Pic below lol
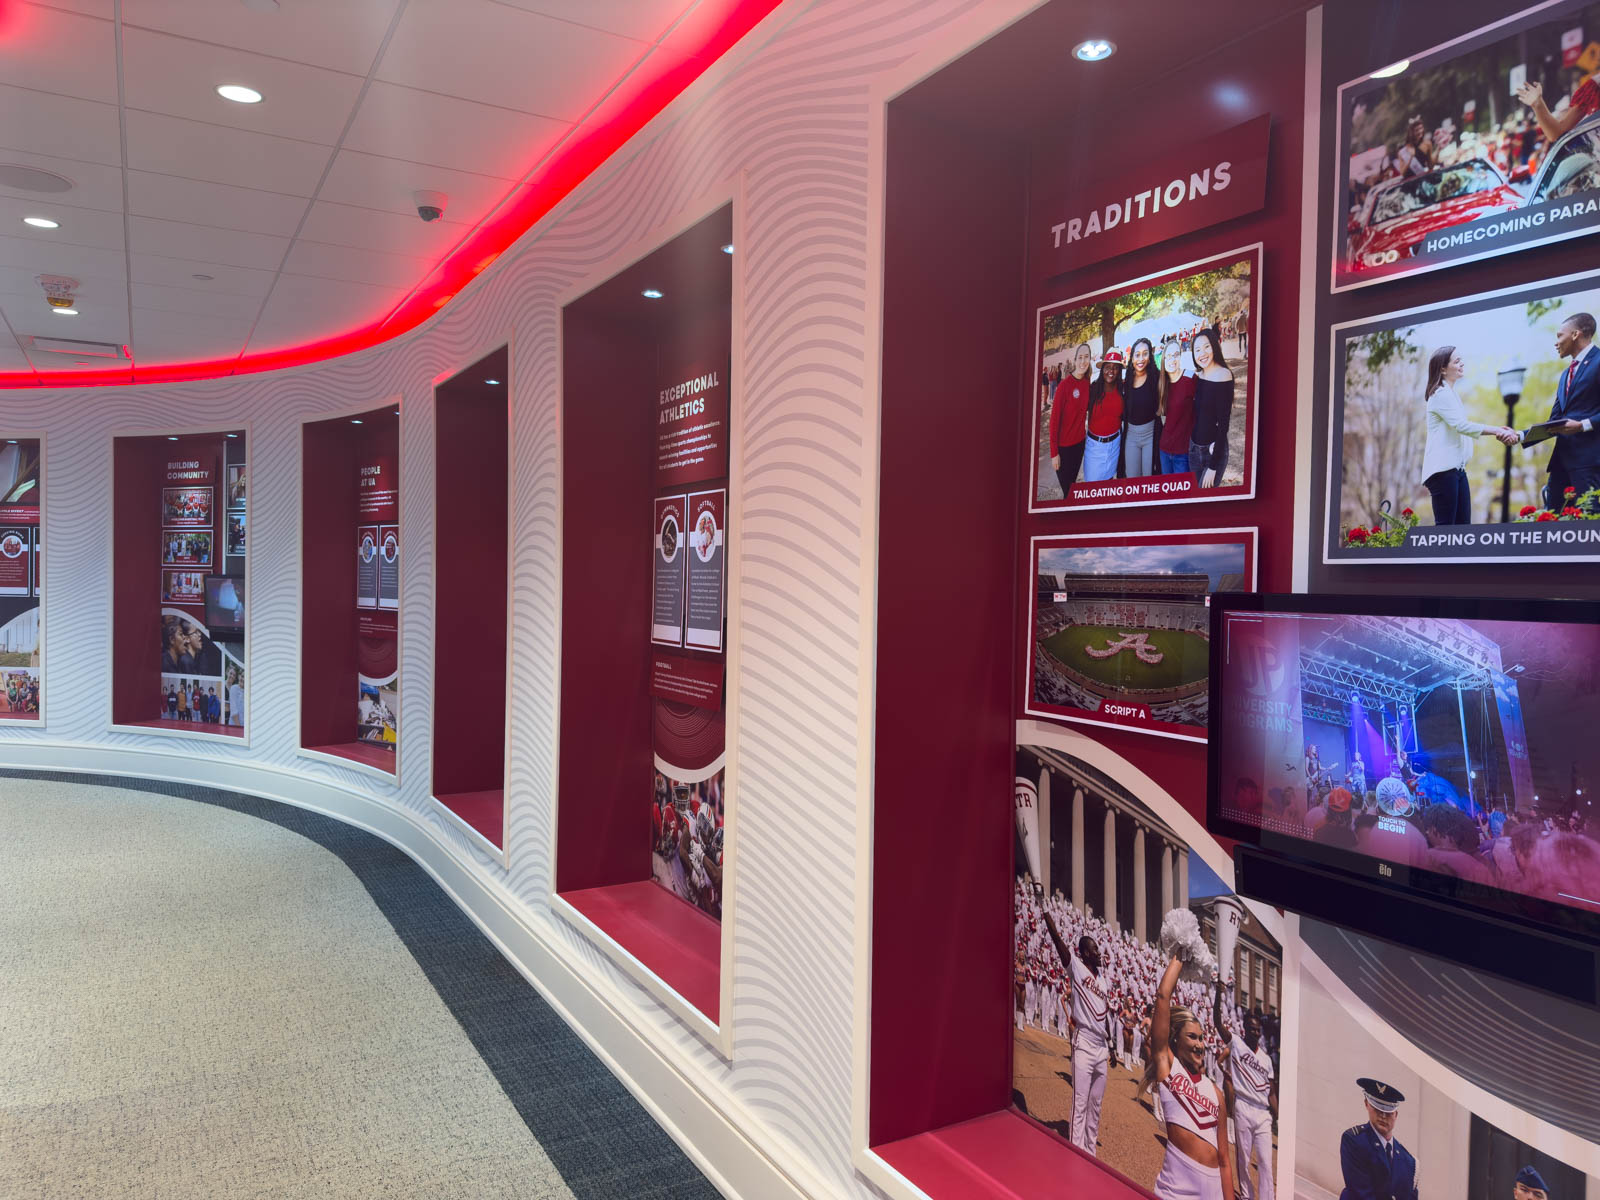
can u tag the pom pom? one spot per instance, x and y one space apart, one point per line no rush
1181 938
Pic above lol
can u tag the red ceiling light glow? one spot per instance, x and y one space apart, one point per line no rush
677 61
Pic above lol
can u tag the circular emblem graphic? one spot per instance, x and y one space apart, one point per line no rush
368 548
705 537
669 537
391 548
11 545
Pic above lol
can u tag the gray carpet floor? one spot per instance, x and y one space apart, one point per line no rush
198 1002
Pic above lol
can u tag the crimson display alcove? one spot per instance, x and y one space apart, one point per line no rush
180 509
983 157
350 587
472 473
645 446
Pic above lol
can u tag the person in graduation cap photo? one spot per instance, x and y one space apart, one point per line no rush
1375 1165
1530 1185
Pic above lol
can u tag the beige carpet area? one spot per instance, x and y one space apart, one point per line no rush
198 1003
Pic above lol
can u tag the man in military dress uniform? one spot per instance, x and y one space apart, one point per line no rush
1376 1167
1530 1185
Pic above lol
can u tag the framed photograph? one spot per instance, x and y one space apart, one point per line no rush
1146 392
1121 626
1424 404
236 485
1480 146
235 523
186 547
186 507
183 587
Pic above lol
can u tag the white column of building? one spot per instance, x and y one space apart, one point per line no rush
1166 879
1180 888
1110 912
1141 922
1044 830
1077 848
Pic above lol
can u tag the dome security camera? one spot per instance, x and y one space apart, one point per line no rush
430 205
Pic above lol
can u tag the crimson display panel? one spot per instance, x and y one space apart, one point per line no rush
1435 749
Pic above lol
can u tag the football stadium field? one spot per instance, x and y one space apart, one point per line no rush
1185 656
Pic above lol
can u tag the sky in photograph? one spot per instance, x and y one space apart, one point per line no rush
1214 560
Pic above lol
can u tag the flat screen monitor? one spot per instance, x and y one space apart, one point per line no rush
224 605
1445 749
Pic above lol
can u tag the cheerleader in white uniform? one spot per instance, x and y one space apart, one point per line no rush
1196 1165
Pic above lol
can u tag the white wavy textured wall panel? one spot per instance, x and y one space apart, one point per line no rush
793 118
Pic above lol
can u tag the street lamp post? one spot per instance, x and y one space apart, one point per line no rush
1510 391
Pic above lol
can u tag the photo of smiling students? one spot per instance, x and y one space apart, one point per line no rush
1143 393
1213 409
1068 414
1103 449
1176 410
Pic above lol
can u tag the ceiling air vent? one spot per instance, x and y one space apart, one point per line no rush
77 347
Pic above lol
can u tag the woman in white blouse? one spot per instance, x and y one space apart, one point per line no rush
1450 434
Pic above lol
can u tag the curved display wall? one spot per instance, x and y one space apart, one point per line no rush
962 645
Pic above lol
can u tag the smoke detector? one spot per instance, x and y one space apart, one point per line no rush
58 289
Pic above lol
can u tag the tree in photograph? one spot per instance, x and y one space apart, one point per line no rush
1210 295
1384 426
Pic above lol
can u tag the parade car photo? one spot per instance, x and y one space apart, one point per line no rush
1400 213
1571 168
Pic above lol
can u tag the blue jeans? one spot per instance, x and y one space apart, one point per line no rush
1174 464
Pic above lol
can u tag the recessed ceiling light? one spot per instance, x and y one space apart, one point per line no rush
41 222
728 249
238 93
203 278
172 437
492 382
233 435
65 312
11 441
355 420
1094 50
651 293
1392 69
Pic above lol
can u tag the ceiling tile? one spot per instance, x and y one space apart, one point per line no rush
42 123
308 310
165 337
230 247
176 76
394 233
94 323
199 299
11 356
79 226
195 150
89 8
57 258
644 20
486 51
39 40
181 272
94 185
342 35
217 204
368 181
424 127
323 261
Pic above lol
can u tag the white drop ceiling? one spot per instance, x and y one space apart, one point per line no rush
299 208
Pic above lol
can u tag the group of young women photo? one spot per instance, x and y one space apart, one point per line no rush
1154 411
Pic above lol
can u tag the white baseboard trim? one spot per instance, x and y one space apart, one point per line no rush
721 1136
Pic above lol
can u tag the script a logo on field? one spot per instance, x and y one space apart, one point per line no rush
1139 643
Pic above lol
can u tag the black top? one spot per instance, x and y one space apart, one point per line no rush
1213 405
1141 399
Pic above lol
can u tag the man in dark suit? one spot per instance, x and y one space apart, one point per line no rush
1575 461
1375 1165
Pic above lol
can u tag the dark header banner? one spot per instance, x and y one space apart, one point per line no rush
1199 184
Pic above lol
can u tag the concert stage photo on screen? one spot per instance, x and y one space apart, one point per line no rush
1457 752
1120 626
1468 432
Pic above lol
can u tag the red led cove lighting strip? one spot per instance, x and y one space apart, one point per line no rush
694 44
